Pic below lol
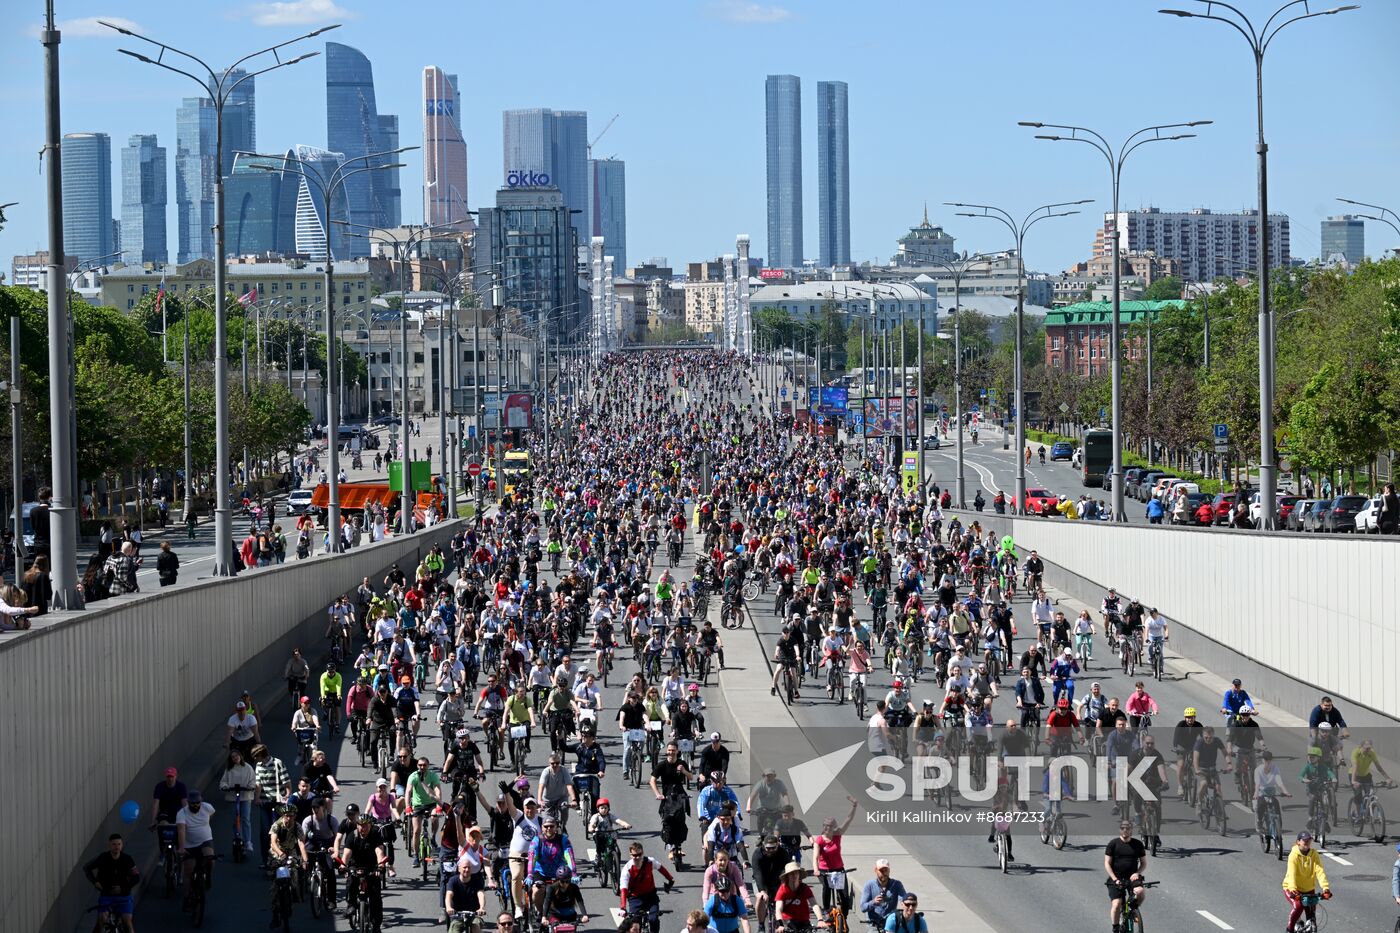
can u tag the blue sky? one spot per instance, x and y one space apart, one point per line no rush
936 88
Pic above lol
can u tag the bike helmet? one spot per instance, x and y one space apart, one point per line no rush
899 683
956 688
1189 712
405 680
717 775
365 819
1246 711
305 700
1314 750
693 688
330 666
288 810
722 883
928 704
562 872
603 802
1062 703
352 810
1321 727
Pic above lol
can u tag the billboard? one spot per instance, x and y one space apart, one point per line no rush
772 273
881 417
520 409
828 400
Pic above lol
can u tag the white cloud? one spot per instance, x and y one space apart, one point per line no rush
90 27
297 13
739 11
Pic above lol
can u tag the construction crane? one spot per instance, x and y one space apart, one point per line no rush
607 127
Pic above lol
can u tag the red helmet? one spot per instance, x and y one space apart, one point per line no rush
898 683
1063 703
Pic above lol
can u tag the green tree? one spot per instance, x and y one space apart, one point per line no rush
1163 289
773 327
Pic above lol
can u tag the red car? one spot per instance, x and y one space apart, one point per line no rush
1285 506
1039 502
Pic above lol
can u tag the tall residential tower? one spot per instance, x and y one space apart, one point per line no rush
833 174
87 196
607 203
784 124
143 201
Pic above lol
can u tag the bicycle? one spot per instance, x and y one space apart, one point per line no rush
858 694
1132 917
491 729
330 707
654 730
199 885
519 738
789 679
306 745
1211 806
1308 923
421 845
318 891
362 919
1053 830
108 919
169 856
632 755
1003 844
1368 813
282 894
1244 775
1127 655
836 683
1319 812
607 862
1157 655
1150 823
1271 825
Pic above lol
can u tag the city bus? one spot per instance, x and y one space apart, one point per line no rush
1097 458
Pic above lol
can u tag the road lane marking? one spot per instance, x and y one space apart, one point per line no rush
1241 807
617 916
1215 920
1338 859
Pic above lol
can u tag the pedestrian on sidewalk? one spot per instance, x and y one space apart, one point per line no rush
37 586
191 519
105 536
167 564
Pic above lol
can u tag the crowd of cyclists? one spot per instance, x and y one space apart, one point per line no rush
473 684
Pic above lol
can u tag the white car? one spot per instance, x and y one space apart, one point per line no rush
298 501
1366 518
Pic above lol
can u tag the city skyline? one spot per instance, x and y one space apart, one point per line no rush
679 167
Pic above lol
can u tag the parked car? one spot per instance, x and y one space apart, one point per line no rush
1194 499
1342 515
1366 519
298 501
1222 504
1130 478
1039 502
1294 521
1061 450
1313 520
1143 490
1284 505
1161 485
931 442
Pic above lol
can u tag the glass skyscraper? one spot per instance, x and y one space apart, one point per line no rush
784 119
1345 236
555 143
260 210
833 173
391 195
607 201
528 237
195 136
143 201
310 213
444 150
240 117
87 196
355 128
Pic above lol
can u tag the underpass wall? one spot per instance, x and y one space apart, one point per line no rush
1281 610
93 703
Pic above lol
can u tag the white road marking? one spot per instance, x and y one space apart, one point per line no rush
617 916
1215 920
592 854
1338 859
1241 807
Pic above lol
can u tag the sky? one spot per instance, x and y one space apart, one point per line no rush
936 90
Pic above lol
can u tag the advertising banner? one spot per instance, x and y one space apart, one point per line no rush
882 417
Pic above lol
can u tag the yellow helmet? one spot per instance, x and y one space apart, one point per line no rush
1189 711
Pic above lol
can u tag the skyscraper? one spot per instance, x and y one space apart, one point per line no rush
784 119
392 196
354 129
260 210
553 143
833 173
87 196
1344 236
240 116
143 201
607 203
194 179
444 150
310 224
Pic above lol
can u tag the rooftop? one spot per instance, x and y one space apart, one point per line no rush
839 291
1101 312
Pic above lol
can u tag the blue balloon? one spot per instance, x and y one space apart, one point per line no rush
738 549
130 812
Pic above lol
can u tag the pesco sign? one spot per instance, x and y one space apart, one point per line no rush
519 179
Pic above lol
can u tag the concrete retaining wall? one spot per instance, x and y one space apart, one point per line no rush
94 704
1311 610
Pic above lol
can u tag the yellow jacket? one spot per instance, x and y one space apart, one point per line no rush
1305 873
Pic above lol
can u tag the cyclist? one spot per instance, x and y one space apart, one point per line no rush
1184 738
363 852
1236 699
114 874
408 707
320 830
1154 777
1062 672
1205 759
1141 706
1084 636
422 793
1124 860
194 837
1062 727
637 886
1363 759
550 852
1268 782
1303 876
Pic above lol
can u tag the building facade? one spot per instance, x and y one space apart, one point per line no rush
1207 245
784 147
1077 336
884 304
31 271
444 151
354 129
87 196
310 224
553 143
704 306
529 243
143 201
924 243
260 210
833 174
240 116
195 138
1343 236
999 277
607 203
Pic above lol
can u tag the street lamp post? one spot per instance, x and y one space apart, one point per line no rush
1382 215
332 389
1259 40
220 88
1018 233
1116 158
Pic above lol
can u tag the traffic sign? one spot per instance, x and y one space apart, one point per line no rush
1103 414
474 468
1222 432
783 391
1064 408
1222 445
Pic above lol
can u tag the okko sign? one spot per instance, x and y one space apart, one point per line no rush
518 179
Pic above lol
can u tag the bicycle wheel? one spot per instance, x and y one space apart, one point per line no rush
1001 852
1221 816
314 895
1377 821
1045 827
1134 922
1204 813
197 906
1059 832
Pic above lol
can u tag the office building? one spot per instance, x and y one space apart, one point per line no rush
924 243
833 174
607 203
354 129
240 116
87 196
885 304
31 271
1077 336
1208 245
143 201
784 140
1344 238
260 209
551 143
444 151
311 217
195 138
391 195
528 242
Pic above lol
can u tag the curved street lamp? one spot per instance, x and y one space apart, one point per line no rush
1259 40
1382 215
1018 233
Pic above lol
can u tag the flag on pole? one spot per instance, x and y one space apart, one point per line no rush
160 293
250 298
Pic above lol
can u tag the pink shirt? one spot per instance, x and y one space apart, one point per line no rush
1140 704
828 853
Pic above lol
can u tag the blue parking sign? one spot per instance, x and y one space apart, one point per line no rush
1222 431
783 391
